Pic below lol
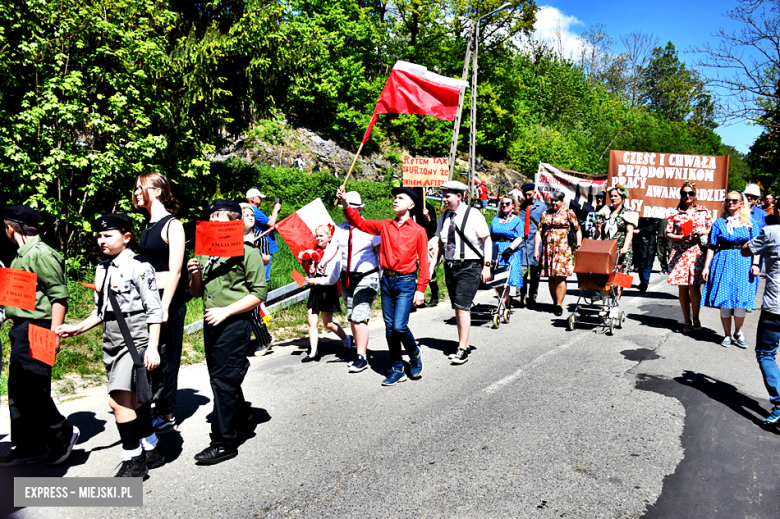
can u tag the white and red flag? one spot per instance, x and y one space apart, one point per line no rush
298 228
413 89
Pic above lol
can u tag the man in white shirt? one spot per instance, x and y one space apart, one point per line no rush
359 278
516 193
466 262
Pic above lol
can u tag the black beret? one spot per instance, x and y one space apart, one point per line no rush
223 205
408 191
528 186
601 195
22 214
111 221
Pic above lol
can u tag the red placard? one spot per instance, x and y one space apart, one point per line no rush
623 280
687 227
90 286
223 239
298 278
43 344
17 288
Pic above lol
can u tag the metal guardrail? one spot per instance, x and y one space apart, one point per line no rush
277 299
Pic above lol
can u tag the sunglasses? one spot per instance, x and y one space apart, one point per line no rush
685 194
751 197
733 200
506 203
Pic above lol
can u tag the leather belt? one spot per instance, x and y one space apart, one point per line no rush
394 273
735 245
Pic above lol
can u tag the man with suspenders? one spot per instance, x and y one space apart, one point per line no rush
465 242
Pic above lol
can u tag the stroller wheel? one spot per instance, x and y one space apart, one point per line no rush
570 322
505 317
612 326
620 320
495 321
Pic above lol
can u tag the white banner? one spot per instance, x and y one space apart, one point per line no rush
579 189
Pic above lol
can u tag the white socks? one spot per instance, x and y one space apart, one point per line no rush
150 442
126 455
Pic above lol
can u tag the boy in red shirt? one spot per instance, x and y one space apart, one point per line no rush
404 244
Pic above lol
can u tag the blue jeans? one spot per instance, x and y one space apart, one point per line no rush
644 276
397 297
767 336
268 270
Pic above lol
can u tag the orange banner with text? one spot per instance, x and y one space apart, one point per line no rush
654 180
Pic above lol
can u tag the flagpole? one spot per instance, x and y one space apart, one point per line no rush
344 185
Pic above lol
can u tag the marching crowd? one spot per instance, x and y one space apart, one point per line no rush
140 298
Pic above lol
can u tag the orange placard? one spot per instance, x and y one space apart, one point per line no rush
43 344
623 280
687 227
298 278
17 288
90 286
222 239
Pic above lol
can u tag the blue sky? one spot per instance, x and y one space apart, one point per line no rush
687 24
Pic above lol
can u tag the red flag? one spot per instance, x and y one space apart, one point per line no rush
412 89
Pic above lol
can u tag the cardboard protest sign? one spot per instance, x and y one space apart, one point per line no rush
222 239
17 288
298 278
623 280
425 172
654 180
43 344
579 189
90 286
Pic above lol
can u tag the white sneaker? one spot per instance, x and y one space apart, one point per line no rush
726 342
741 341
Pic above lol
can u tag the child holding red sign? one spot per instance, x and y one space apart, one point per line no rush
38 430
231 287
324 294
128 287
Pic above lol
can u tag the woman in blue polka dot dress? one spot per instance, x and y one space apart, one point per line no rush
732 280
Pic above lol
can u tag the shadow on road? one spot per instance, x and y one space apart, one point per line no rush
447 347
187 403
727 453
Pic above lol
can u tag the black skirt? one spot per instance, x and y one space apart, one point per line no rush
324 298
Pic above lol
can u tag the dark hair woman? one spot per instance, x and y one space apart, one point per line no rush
551 244
615 221
686 262
162 246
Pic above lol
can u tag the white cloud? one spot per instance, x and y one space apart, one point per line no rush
554 28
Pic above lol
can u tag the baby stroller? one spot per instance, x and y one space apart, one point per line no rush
595 264
500 280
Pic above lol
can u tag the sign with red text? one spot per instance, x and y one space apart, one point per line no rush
579 189
425 172
654 180
43 344
222 239
298 278
17 288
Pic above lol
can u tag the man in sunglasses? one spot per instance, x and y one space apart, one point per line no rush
753 194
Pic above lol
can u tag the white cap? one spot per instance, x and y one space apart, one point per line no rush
353 199
454 185
253 193
753 189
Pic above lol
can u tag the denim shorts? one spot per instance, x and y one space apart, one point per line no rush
462 282
359 299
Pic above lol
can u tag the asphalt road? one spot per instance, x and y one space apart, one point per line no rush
541 422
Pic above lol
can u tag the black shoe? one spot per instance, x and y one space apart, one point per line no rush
433 302
154 459
134 467
308 358
643 287
558 310
214 454
531 302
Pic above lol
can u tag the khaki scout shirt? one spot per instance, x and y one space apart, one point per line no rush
134 284
49 265
227 280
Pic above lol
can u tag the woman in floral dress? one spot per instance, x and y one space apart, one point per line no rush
686 261
615 222
552 246
732 279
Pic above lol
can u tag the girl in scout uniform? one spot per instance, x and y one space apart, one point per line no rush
135 289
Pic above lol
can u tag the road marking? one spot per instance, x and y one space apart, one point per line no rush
492 388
